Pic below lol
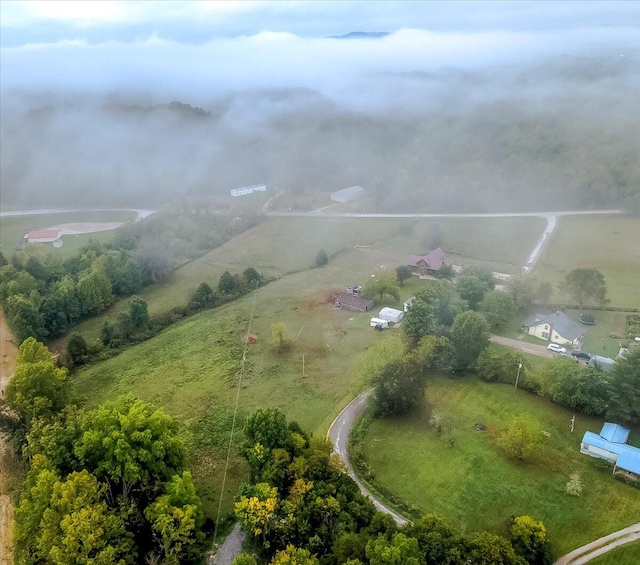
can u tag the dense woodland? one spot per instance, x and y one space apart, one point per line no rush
562 135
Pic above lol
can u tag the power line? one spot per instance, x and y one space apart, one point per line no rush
235 413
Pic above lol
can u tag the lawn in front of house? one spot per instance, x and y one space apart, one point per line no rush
473 485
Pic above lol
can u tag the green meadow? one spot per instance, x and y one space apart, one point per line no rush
607 244
464 477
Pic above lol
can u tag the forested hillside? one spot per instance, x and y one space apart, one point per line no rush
552 136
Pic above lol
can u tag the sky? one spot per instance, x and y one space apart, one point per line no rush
178 49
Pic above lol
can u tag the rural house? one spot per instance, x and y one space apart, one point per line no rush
248 189
348 194
611 445
556 328
352 301
44 236
430 263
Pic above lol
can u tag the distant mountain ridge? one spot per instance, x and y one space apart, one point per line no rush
361 35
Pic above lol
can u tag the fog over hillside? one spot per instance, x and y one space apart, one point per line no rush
432 121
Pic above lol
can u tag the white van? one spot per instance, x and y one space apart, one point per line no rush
375 322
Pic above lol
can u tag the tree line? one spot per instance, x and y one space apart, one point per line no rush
105 486
301 507
44 296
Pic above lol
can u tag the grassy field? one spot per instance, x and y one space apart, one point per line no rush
607 244
474 486
13 228
357 247
625 555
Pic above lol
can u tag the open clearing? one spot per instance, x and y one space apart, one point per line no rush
357 247
13 228
607 244
474 486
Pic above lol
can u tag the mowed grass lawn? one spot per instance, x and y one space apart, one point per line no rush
13 228
357 248
625 555
474 486
607 244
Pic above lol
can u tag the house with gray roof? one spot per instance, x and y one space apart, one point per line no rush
555 328
611 445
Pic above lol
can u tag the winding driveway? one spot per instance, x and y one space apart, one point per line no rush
339 434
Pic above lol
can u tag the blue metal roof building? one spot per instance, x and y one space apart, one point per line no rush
611 446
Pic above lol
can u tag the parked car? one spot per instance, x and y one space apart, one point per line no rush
556 348
581 355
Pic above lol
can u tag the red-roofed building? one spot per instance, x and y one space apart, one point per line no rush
44 236
430 263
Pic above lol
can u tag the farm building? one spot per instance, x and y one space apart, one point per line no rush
248 189
44 236
350 301
348 194
379 322
603 363
407 303
556 328
430 263
611 445
391 315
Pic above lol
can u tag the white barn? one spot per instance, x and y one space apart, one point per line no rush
347 194
391 315
248 189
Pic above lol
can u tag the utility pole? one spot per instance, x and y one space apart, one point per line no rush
573 422
303 365
518 375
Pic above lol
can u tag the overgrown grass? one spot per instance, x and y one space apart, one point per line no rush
474 486
626 555
607 244
13 228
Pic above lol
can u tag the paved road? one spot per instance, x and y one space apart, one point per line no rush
600 546
140 213
532 348
546 215
339 435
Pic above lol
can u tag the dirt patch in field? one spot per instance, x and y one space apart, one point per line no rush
77 228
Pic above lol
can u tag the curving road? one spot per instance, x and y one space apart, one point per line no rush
339 435
600 546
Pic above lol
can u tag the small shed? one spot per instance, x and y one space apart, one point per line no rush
44 236
349 301
248 189
348 194
391 315
407 303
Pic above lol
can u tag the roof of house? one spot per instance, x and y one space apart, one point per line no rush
354 300
44 234
614 433
434 260
559 321
350 193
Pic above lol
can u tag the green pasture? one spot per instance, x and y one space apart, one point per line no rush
625 555
474 486
607 244
13 228
357 247
192 370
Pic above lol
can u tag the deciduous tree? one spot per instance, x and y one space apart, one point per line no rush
381 286
498 308
321 258
521 437
226 284
625 388
403 273
138 312
399 388
433 311
584 285
469 335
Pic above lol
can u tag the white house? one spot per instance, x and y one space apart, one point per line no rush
44 236
556 328
248 189
391 315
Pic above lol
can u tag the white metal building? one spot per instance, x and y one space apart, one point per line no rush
391 315
248 189
347 194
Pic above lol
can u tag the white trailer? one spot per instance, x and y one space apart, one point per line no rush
384 324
